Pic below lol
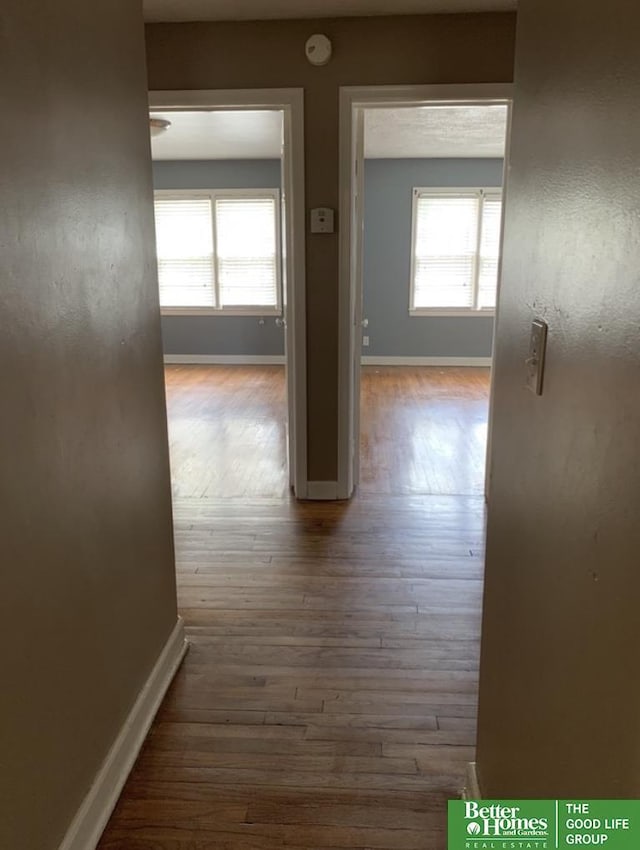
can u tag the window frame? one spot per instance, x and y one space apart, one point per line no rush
481 192
214 194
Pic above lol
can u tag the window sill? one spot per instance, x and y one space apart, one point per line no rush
426 313
265 312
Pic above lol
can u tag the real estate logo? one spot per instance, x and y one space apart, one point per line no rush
503 821
544 824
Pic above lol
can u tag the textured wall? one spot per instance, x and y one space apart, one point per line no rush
219 334
87 579
560 695
217 174
367 51
388 195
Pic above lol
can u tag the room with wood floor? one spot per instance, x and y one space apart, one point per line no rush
223 331
329 695
431 214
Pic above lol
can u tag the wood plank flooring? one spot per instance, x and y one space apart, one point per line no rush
329 696
227 431
423 430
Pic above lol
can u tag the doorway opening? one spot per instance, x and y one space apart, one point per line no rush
421 233
228 200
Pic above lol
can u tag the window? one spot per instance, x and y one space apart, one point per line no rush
218 250
455 251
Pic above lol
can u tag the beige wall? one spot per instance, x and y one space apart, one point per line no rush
560 693
87 579
367 51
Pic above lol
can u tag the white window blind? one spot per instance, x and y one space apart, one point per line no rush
445 248
456 242
184 236
247 252
218 250
489 251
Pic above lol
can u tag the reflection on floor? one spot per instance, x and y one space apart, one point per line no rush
423 430
329 697
227 431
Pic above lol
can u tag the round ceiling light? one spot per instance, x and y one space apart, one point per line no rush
157 126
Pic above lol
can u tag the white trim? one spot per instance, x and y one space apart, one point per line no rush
92 816
222 312
455 94
357 275
295 220
352 101
205 99
505 191
291 102
322 491
426 361
226 359
435 313
471 790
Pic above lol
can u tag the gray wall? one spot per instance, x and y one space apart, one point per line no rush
389 184
559 685
220 334
88 579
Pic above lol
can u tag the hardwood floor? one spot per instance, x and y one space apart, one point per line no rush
423 430
329 696
227 431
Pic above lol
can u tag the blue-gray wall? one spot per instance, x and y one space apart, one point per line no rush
387 261
220 334
392 332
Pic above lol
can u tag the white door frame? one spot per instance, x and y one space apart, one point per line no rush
291 102
353 100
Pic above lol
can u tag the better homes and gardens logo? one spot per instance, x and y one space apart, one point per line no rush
498 820
544 824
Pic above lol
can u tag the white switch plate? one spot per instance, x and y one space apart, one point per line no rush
537 354
365 340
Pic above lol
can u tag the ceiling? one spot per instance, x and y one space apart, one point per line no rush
435 132
247 10
219 135
409 132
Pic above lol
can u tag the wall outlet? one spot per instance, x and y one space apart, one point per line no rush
322 220
365 341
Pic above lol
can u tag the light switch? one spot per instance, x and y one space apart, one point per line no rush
322 220
536 358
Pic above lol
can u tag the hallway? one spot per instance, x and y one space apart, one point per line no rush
328 699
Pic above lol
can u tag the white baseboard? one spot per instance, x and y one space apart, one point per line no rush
322 491
226 359
426 361
279 360
471 790
92 816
